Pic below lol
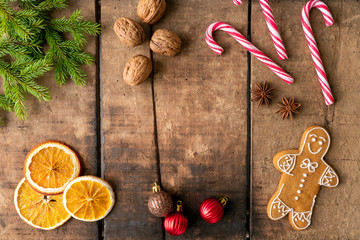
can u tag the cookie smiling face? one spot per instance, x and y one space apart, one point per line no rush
317 141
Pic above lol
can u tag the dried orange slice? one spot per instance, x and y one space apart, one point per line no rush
89 198
50 166
40 211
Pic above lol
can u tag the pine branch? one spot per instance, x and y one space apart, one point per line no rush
10 74
64 55
17 95
35 69
23 59
17 84
77 26
5 103
83 58
14 49
10 25
47 5
53 4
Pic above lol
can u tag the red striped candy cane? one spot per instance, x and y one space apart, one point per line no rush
245 43
329 99
274 32
237 2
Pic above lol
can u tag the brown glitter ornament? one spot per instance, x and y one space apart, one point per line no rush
160 203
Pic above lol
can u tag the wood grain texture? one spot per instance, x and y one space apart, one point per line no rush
201 116
128 132
334 216
69 117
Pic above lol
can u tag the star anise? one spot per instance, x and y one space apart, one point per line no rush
262 94
288 108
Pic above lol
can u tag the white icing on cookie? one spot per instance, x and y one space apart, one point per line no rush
314 152
327 177
311 166
303 216
287 163
278 204
312 138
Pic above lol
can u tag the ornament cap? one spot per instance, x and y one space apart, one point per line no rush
156 188
224 200
179 207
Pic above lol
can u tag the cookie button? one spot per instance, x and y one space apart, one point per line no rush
296 198
302 180
301 185
298 191
305 175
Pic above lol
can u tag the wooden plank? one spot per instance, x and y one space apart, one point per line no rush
201 116
128 126
69 117
334 216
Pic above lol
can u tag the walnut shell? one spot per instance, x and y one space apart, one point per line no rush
137 70
150 11
165 42
129 32
160 204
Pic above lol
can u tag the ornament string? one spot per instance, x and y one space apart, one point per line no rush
315 54
245 43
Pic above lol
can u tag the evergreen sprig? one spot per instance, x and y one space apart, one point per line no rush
23 58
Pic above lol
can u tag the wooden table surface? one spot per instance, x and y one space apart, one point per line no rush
192 127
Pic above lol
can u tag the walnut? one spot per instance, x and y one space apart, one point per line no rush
137 70
129 32
150 11
165 42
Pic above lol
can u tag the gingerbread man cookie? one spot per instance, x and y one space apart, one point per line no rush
304 171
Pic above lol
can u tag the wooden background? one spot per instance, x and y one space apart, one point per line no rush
191 125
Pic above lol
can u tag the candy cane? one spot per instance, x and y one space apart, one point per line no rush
274 32
245 43
329 99
237 2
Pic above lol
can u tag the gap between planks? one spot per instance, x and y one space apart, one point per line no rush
156 140
249 131
100 166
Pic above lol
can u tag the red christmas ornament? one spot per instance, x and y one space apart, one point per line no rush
176 223
212 209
